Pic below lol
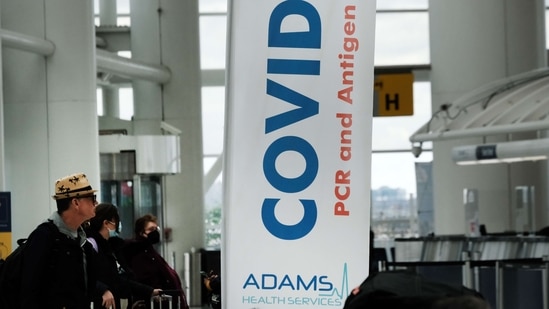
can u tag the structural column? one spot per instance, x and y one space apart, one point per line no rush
145 46
50 106
108 17
183 109
2 124
166 32
473 43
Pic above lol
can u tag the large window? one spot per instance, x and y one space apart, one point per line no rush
213 41
392 162
122 13
393 165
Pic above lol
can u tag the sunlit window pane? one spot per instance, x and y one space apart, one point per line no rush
126 103
546 24
394 132
402 38
394 195
99 99
123 21
401 4
212 41
125 53
213 119
123 6
212 6
397 170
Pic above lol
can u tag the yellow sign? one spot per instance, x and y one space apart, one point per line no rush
5 244
394 95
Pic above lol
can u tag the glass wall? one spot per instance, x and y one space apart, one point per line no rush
393 182
392 161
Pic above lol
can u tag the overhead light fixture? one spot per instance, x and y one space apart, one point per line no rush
507 152
169 128
417 149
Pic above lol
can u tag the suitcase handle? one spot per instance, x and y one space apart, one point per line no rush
171 292
163 297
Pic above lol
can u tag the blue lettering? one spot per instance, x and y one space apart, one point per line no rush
291 66
328 286
308 107
300 283
272 281
286 281
309 38
288 232
251 281
290 185
264 281
299 145
292 24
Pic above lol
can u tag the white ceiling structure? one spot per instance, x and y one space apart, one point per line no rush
515 104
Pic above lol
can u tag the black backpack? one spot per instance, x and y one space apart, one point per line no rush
406 289
10 272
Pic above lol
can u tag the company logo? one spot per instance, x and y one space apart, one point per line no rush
296 289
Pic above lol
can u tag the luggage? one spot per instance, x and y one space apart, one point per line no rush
165 301
169 299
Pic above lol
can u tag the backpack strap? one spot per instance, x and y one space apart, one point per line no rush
93 242
51 226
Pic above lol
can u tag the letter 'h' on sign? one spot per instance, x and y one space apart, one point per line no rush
393 95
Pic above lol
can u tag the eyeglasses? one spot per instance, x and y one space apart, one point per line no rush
114 224
92 197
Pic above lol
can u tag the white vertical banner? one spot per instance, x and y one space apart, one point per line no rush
296 217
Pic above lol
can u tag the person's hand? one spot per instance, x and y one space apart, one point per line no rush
208 278
108 300
207 283
211 275
157 292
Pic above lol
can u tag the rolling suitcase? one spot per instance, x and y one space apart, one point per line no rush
167 301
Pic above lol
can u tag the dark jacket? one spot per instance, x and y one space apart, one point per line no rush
410 290
215 293
112 276
57 272
150 268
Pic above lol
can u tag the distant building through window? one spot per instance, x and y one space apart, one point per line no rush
392 172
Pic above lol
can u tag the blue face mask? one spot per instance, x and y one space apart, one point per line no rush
113 233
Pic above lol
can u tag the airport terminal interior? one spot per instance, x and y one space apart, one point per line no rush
132 93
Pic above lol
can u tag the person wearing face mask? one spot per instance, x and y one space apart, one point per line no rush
148 265
111 275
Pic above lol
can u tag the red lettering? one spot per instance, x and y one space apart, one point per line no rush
343 196
339 209
342 177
